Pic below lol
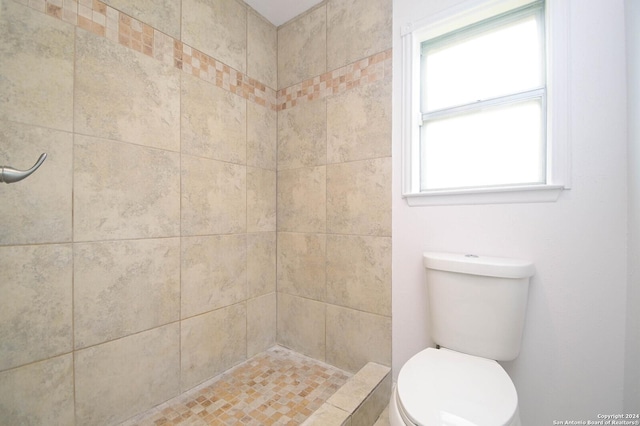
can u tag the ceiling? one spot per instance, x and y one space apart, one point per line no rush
280 11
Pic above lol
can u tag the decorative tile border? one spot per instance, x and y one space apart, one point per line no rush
364 71
105 21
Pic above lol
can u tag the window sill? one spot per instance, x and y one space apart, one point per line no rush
498 195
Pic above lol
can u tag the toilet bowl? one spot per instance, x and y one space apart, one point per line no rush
444 387
476 310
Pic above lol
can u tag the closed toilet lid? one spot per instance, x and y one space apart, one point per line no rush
444 387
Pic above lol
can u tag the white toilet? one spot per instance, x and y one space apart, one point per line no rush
477 307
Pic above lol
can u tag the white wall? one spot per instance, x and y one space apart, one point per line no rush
572 360
632 366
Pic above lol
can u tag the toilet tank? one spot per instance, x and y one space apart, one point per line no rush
477 304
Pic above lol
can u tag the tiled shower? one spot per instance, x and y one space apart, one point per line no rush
214 186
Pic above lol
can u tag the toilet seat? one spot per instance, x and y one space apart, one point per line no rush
444 387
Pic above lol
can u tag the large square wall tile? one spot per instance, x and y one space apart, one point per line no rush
38 394
301 325
359 197
39 211
123 287
123 95
302 199
359 123
35 307
359 272
301 264
213 121
357 29
211 343
355 338
262 50
214 197
302 135
261 323
118 379
217 28
36 68
214 272
302 48
124 191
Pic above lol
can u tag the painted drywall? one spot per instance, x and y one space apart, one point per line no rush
572 360
632 367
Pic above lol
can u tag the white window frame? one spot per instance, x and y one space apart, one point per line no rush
558 137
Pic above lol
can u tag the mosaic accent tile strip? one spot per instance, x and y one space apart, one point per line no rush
105 21
364 71
276 387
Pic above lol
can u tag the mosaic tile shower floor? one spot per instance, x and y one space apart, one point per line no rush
275 387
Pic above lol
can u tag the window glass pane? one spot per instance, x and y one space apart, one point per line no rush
495 146
478 66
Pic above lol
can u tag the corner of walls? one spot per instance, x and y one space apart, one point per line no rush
334 176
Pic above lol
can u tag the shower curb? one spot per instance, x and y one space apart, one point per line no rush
358 402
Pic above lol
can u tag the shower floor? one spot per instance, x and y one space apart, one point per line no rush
275 387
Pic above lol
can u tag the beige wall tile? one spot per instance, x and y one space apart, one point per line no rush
163 15
302 48
118 379
302 200
301 325
302 135
124 191
261 263
213 272
217 28
262 50
355 338
124 95
359 272
261 200
211 343
261 323
123 287
214 197
35 307
36 68
262 136
37 210
301 264
359 197
213 121
39 393
359 123
357 29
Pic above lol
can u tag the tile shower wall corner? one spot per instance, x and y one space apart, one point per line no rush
334 183
109 251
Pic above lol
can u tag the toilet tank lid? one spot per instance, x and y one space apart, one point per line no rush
502 267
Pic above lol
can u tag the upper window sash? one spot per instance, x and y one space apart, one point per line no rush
532 72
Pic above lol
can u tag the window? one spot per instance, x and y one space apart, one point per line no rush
478 127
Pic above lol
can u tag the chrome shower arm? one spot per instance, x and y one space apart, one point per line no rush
11 175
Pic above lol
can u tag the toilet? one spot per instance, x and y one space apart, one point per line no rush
477 308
